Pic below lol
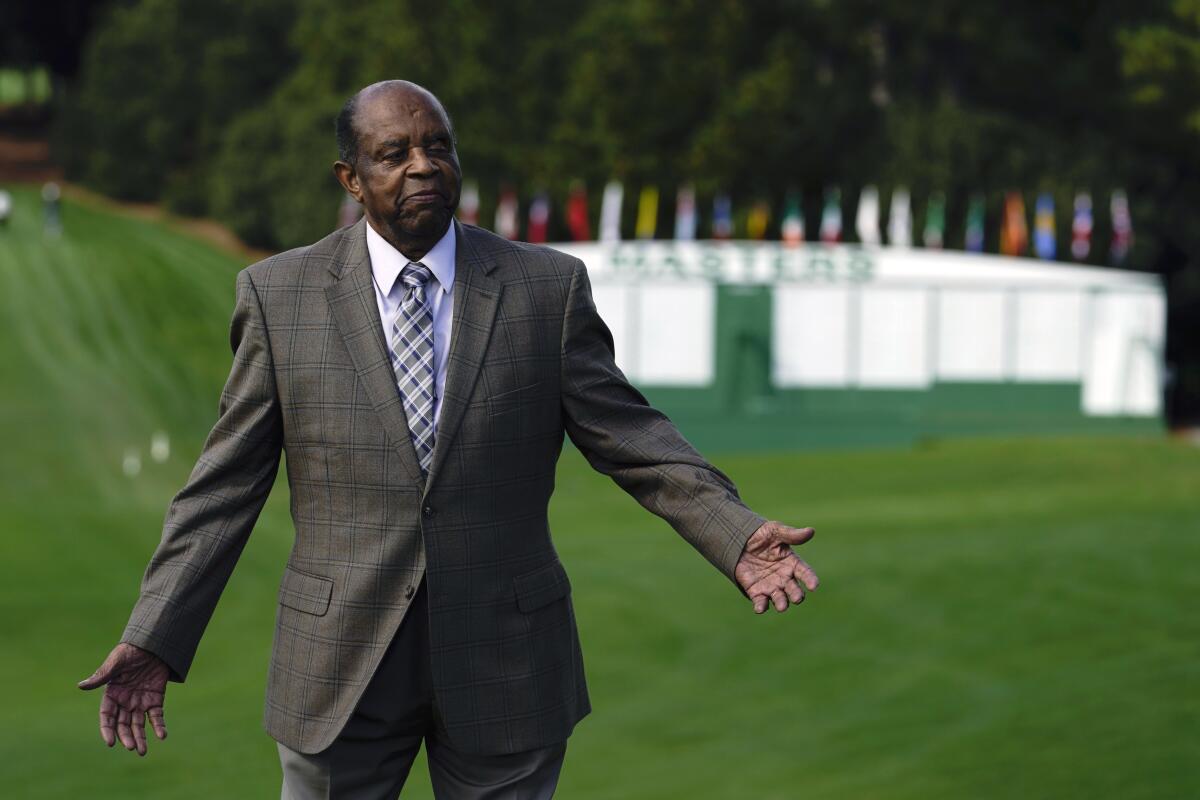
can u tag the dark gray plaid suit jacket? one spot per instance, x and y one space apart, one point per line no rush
529 359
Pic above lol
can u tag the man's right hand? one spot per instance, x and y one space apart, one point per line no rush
135 683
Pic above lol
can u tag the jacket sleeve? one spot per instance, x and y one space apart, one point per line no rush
209 520
636 445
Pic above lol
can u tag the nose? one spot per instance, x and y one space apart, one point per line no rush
420 163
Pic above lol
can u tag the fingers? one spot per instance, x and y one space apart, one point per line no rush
783 589
124 733
804 573
139 731
794 591
108 720
794 535
129 725
786 581
97 678
158 723
780 599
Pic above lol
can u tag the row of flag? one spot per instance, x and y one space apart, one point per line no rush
869 226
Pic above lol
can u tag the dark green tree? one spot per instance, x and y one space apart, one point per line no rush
228 107
161 81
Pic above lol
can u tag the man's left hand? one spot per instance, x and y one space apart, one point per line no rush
770 572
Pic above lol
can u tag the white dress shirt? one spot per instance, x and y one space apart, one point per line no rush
386 265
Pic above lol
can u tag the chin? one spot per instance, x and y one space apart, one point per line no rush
424 226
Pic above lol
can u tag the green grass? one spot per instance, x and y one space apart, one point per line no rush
998 618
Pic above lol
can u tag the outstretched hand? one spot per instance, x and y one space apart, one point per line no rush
770 572
135 683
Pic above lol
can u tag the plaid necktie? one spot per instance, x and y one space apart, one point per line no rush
412 352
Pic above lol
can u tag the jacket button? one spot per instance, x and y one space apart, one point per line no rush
409 592
427 511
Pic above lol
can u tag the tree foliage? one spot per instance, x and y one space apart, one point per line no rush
226 107
161 82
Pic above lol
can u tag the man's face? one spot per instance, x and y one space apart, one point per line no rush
408 175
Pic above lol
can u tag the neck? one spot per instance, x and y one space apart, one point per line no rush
414 248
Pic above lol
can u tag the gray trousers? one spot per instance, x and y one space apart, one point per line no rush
372 756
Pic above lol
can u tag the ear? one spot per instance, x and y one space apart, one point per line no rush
348 178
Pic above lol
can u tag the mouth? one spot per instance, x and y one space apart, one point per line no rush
424 197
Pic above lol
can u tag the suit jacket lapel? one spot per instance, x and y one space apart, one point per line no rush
476 297
352 303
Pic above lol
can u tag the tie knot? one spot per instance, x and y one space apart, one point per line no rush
415 274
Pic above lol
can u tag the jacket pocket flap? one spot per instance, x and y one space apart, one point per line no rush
511 399
542 586
305 592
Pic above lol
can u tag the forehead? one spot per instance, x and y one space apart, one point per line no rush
398 114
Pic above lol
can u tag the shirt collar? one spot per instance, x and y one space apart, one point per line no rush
387 261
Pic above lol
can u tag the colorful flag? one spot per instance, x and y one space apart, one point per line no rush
610 212
976 220
1122 227
792 228
506 214
539 218
1014 232
722 224
900 218
934 234
758 219
831 216
866 221
1081 227
685 213
577 212
1043 227
468 205
647 215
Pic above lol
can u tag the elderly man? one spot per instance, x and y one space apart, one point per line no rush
421 374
